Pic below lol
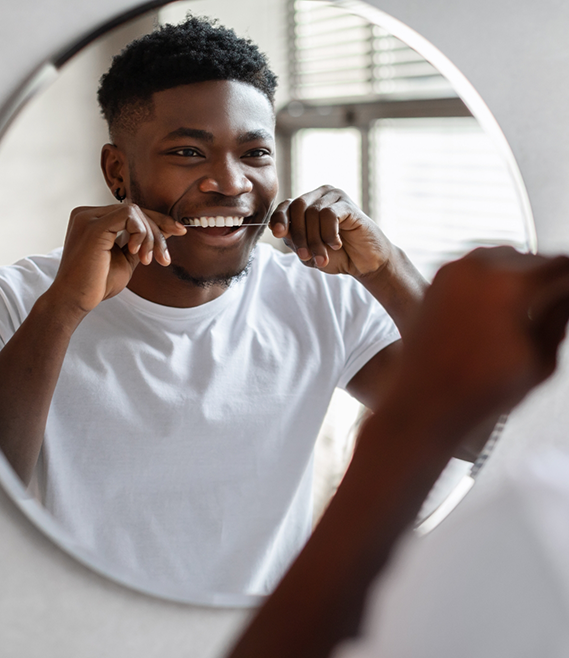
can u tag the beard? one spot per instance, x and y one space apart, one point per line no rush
223 280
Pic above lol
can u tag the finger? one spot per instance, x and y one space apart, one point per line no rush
551 296
550 269
333 209
546 304
549 330
316 247
314 196
297 221
506 256
91 212
329 228
546 282
146 237
136 230
168 225
120 224
279 219
119 254
111 219
297 227
161 253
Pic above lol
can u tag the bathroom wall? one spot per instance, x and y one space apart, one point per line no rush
516 53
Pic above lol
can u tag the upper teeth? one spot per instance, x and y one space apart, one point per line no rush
213 221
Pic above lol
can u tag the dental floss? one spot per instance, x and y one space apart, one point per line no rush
199 225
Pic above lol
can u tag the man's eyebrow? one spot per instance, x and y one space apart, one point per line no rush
194 133
205 136
253 135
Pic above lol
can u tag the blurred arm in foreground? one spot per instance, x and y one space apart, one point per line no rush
486 334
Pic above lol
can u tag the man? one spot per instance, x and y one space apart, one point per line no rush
163 381
487 333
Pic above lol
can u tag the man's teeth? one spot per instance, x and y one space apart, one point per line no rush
213 221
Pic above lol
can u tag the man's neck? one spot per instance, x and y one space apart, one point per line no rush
160 285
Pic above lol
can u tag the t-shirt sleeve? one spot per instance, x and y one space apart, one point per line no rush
20 286
365 325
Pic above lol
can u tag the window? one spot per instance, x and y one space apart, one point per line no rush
373 117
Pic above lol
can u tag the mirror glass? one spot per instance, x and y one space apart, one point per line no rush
357 108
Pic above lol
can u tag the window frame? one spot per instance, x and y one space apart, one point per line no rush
301 115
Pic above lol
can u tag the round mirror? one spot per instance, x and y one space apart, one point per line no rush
364 104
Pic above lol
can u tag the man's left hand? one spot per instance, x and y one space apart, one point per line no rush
327 230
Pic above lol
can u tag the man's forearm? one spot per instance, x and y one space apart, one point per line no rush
399 287
30 364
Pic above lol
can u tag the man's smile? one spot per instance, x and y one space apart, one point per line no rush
213 221
219 230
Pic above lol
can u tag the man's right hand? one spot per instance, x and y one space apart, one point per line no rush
93 265
488 331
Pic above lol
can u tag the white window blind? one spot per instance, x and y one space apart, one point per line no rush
337 54
441 189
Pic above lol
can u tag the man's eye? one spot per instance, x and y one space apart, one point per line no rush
187 153
257 153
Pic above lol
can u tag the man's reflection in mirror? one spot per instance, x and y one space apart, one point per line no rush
163 376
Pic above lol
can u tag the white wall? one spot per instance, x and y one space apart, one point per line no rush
54 144
516 53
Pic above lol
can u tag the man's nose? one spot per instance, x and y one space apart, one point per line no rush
226 177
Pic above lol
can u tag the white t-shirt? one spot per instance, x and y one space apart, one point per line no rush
490 583
179 440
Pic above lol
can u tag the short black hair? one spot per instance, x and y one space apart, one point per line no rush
197 50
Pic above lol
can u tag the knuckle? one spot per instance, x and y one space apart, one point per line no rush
299 205
312 213
83 216
79 211
316 207
328 214
132 212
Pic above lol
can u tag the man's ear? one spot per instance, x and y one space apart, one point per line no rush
115 169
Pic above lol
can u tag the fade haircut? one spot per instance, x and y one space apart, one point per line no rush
197 50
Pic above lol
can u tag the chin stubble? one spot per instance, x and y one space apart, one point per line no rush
222 280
